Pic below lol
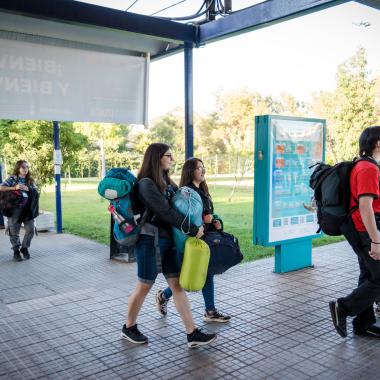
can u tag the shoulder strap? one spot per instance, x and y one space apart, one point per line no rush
368 159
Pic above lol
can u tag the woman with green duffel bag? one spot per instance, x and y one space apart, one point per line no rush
155 251
193 180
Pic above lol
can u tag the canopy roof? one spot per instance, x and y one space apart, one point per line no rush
107 29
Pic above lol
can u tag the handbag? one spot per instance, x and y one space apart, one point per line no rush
224 249
9 201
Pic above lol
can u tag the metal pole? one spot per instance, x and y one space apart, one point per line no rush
211 12
1 180
57 171
189 133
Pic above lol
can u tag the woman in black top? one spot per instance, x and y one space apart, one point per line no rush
193 176
155 250
24 212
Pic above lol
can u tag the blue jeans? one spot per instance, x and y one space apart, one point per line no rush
207 292
149 262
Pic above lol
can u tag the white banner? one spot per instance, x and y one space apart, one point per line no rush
66 84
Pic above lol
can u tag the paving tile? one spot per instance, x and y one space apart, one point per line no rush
62 320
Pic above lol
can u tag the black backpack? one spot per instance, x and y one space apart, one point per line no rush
224 251
331 185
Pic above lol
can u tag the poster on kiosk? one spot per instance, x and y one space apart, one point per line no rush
284 216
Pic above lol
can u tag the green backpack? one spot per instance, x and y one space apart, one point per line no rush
194 265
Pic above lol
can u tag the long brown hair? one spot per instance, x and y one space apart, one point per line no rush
151 166
16 171
187 174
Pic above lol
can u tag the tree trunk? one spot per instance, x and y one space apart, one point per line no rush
102 159
215 170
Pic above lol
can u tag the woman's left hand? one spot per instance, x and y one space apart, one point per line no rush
207 218
217 224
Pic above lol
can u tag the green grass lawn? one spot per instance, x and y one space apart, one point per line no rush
85 214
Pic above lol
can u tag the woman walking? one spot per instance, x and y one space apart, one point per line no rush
24 212
155 248
193 176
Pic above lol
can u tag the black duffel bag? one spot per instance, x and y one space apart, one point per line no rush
224 249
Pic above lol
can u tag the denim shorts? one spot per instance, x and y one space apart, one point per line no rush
145 252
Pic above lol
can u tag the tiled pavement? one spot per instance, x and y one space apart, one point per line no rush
61 314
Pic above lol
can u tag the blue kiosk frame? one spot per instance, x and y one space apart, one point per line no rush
283 220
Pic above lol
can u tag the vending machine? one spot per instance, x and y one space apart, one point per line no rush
286 148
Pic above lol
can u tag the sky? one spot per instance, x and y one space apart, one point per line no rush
299 56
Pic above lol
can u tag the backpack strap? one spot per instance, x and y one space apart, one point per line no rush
144 218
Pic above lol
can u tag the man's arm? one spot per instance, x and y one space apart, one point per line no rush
368 217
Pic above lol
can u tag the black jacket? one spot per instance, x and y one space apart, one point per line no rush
33 204
160 213
208 207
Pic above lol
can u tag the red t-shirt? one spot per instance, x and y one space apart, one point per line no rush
364 180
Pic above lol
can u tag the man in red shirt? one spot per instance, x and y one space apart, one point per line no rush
365 194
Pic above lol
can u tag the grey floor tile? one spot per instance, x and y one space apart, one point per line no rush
62 320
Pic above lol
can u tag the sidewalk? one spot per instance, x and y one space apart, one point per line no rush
61 313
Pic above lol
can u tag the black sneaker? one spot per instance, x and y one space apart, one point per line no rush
215 316
133 335
198 338
161 303
339 317
25 253
377 309
16 255
373 331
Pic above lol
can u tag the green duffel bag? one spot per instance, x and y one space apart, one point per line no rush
194 265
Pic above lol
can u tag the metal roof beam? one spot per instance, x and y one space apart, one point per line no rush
83 13
370 3
261 15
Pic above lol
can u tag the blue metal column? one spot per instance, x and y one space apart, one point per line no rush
1 180
189 133
57 172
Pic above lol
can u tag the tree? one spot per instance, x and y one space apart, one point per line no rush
33 141
169 129
349 109
290 106
377 100
107 140
323 105
209 135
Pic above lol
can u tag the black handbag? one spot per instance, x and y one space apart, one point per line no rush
9 201
224 251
